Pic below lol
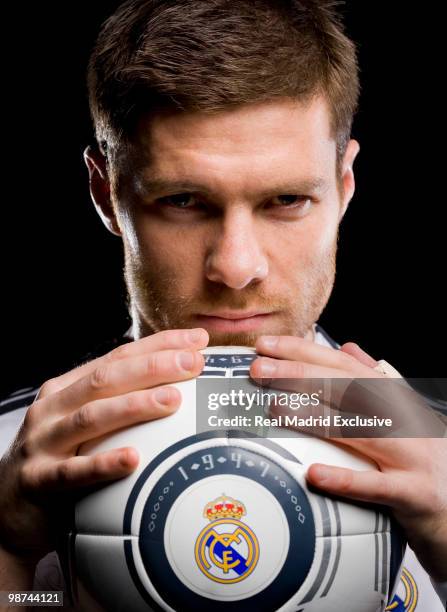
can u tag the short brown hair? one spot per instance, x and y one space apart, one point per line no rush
210 55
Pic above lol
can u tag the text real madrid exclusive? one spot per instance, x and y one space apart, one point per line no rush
295 421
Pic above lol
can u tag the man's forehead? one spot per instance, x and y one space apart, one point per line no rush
265 122
271 138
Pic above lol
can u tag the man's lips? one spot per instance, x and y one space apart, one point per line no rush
234 314
233 321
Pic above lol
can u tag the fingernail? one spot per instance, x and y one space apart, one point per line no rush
268 368
270 341
185 361
162 396
195 335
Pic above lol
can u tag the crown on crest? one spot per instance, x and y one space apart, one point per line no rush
224 507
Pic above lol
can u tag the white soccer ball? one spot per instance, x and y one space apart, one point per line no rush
225 522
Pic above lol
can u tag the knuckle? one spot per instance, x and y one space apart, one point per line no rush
120 352
134 406
27 447
384 489
166 335
346 480
99 466
169 334
25 444
63 473
152 365
83 418
99 377
28 476
31 416
37 411
299 370
48 388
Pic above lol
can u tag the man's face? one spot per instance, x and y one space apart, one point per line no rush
230 221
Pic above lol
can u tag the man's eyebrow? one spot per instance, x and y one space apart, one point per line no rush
317 185
159 185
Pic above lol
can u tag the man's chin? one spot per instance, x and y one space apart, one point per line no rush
235 339
249 339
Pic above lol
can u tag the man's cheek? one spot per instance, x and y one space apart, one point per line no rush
132 227
320 239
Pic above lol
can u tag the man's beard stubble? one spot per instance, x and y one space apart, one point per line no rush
155 302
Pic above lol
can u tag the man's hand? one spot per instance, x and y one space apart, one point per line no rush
412 476
122 388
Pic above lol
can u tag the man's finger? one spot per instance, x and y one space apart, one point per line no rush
82 471
101 417
368 486
169 339
117 378
351 348
292 348
264 367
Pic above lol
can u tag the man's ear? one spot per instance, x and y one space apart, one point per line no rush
100 188
348 181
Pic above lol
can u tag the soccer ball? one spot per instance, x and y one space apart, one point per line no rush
224 521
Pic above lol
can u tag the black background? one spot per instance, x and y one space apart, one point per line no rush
62 288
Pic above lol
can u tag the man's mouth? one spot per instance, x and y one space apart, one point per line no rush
233 321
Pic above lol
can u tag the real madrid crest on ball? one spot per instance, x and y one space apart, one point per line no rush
227 543
223 520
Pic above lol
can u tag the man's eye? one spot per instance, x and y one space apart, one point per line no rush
178 200
291 201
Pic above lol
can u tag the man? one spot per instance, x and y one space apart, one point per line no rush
225 164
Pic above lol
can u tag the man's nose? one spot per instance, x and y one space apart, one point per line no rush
236 257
